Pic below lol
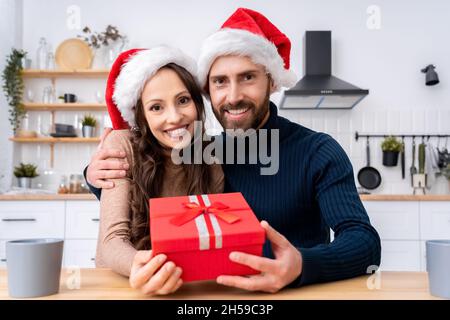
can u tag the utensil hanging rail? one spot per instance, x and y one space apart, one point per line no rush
425 135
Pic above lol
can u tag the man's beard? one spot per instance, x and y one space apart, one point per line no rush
257 115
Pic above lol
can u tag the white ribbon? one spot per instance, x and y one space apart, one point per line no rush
202 228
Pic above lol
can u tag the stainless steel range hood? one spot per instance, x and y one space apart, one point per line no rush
318 88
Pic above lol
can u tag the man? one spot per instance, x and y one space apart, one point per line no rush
313 189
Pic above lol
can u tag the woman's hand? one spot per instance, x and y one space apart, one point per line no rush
146 277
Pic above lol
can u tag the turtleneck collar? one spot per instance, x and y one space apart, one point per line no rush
272 122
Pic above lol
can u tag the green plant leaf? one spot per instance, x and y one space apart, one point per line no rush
13 87
391 143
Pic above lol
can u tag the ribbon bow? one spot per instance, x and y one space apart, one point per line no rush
195 209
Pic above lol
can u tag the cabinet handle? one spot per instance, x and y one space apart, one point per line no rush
92 259
95 219
2 260
19 220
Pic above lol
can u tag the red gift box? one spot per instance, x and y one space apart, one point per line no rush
198 233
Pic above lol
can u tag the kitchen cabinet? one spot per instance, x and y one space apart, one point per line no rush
80 253
400 255
435 220
404 227
395 220
82 223
74 221
33 219
2 254
82 219
397 223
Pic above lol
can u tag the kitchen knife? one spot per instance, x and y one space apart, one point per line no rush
413 169
402 158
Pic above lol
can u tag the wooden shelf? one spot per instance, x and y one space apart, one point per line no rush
64 106
84 73
53 75
55 140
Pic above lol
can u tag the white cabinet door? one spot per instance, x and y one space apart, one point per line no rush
400 256
82 219
423 256
80 253
31 219
394 220
435 220
2 254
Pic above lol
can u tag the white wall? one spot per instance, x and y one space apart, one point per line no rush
386 61
10 36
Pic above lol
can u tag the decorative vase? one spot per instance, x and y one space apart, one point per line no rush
24 182
112 51
390 158
88 131
110 57
97 58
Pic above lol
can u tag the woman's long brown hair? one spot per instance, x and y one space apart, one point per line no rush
148 168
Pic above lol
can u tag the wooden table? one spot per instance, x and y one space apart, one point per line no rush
105 284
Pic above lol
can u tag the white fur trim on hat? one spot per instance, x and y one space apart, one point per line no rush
138 70
261 51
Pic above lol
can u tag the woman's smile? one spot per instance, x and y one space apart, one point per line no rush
177 133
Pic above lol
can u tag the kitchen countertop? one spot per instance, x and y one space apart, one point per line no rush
20 197
105 284
364 197
405 197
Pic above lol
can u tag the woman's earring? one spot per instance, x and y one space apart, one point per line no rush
135 128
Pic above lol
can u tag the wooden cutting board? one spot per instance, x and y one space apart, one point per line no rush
73 54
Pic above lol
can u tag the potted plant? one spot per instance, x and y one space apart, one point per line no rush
13 87
88 124
24 173
391 148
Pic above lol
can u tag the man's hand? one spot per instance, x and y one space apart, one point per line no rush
275 273
101 169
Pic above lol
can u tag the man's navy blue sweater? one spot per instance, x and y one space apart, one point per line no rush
313 191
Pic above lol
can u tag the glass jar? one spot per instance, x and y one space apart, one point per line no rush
49 178
62 189
50 61
46 96
75 183
42 54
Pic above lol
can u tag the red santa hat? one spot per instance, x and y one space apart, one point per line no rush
249 33
129 74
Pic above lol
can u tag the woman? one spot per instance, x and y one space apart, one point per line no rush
153 92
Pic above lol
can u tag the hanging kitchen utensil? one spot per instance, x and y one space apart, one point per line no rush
420 179
413 169
369 177
431 163
402 157
443 155
422 158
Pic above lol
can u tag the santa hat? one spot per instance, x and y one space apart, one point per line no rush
129 74
249 33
